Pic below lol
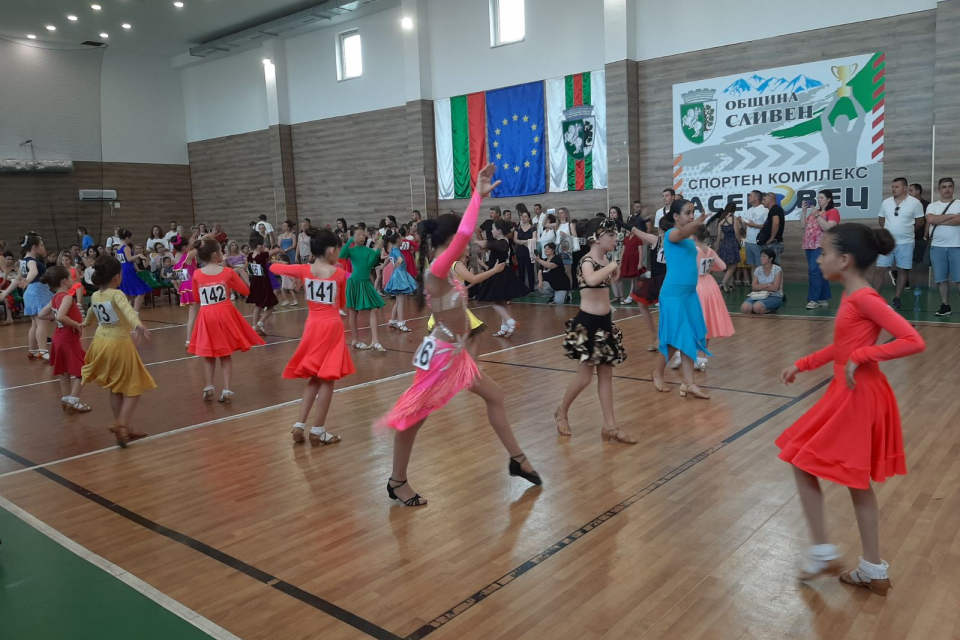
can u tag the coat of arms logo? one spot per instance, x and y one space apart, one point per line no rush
698 115
578 126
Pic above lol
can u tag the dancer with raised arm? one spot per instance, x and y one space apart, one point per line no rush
322 356
852 435
682 327
592 338
443 362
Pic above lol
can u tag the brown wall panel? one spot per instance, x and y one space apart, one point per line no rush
49 203
908 41
582 204
354 167
233 181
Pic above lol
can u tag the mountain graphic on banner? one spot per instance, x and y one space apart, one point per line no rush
758 85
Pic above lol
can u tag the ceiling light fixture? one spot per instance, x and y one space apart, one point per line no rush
266 61
31 36
104 35
127 25
96 7
50 27
178 5
72 18
407 23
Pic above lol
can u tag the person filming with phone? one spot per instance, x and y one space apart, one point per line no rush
816 220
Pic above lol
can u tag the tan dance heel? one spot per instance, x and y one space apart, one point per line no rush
660 386
879 587
694 391
323 438
617 435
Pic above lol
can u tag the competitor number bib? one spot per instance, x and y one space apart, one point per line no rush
213 294
321 291
424 354
105 313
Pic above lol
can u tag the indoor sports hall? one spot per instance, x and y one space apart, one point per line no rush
479 319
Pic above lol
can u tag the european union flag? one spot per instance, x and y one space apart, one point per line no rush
515 136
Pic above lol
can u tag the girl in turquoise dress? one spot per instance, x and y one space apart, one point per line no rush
401 283
682 327
361 294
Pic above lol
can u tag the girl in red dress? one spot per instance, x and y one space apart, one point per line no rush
66 354
220 329
322 357
852 435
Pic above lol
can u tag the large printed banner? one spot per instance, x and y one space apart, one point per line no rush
791 130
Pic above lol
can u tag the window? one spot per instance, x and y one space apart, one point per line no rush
349 55
507 23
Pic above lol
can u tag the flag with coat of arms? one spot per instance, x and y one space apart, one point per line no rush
577 130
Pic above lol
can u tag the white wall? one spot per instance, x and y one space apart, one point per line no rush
679 26
311 70
225 96
141 110
562 37
52 97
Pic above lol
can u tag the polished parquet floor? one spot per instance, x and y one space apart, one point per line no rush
692 533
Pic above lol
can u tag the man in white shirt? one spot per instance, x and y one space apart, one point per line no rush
943 231
753 220
900 214
669 195
172 234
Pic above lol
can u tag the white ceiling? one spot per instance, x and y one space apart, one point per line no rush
159 28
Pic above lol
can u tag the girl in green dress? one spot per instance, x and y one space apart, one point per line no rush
361 294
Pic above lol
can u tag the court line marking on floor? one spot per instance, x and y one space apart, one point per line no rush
191 357
132 581
534 561
31 466
703 386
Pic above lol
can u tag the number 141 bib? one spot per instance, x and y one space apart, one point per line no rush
320 291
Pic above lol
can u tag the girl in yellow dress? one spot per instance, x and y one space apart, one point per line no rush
112 360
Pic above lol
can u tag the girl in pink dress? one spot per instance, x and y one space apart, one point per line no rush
184 264
443 361
715 311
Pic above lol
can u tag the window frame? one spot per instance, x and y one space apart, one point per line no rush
342 58
495 25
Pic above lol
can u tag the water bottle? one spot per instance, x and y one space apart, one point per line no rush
916 299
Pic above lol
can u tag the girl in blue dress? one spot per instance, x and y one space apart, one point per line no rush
131 285
401 283
682 327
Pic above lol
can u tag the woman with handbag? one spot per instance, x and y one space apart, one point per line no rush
767 293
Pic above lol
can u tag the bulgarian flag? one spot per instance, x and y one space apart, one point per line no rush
577 130
460 125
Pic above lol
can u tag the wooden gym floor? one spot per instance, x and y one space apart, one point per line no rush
225 528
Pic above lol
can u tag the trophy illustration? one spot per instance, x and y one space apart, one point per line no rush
843 73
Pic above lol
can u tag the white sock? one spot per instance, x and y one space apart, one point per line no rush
317 431
65 399
824 552
873 571
299 425
511 322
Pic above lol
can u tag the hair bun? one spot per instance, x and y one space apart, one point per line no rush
884 241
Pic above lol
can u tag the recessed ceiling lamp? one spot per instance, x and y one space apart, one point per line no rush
178 5
72 18
31 36
266 61
406 22
96 7
127 25
104 35
50 27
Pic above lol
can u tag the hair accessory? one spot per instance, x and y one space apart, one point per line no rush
607 226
